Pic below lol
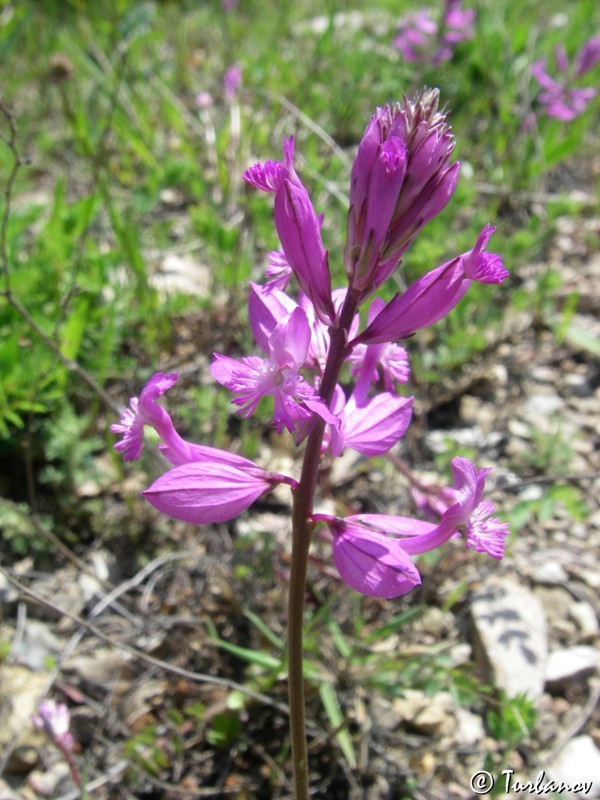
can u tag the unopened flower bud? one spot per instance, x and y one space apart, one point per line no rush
401 179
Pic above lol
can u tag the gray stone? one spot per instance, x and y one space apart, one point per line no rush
429 715
551 572
509 637
577 385
181 273
586 620
384 714
570 663
538 407
6 793
36 646
578 762
469 727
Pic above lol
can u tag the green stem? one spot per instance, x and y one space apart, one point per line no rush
301 533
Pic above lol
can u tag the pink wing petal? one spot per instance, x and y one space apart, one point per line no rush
373 564
205 492
376 427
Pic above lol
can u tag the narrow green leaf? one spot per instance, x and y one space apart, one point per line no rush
582 339
344 649
265 630
251 656
393 625
333 711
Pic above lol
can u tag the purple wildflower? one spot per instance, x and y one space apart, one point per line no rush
372 427
55 720
208 491
279 270
372 551
206 484
420 38
387 361
253 378
232 80
298 227
559 99
203 100
435 294
415 34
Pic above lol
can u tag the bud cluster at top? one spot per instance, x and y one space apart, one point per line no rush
401 178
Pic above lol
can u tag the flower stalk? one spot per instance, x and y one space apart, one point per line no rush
302 525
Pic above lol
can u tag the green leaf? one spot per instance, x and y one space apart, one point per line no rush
74 328
582 339
224 730
344 649
392 626
336 718
251 656
265 630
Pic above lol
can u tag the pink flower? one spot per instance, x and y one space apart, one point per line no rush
370 362
435 294
54 719
559 99
146 411
206 492
415 34
203 100
419 38
267 306
206 484
371 428
457 27
370 563
279 271
232 80
587 58
372 551
320 333
298 227
253 378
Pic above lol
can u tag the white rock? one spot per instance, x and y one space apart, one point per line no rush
469 727
37 644
586 618
432 716
551 572
6 793
571 662
577 763
8 594
20 692
510 641
384 714
538 408
181 273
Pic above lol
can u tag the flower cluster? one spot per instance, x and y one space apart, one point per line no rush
54 719
560 98
420 38
401 178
